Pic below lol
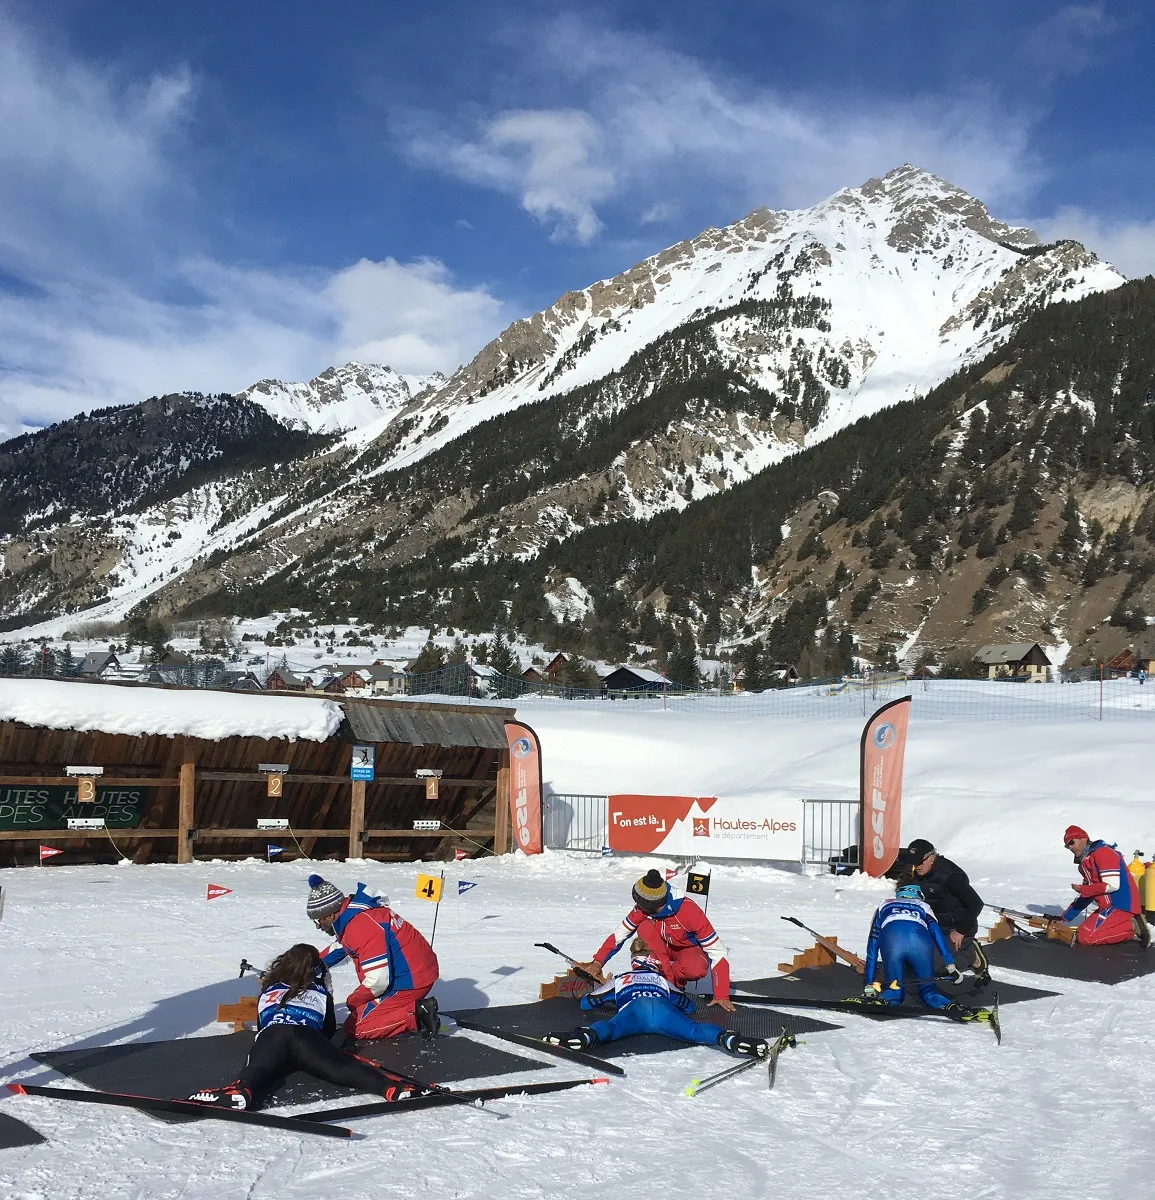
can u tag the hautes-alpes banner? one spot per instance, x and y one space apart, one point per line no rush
706 827
880 786
525 786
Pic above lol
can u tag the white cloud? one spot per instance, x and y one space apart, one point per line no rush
79 150
550 159
96 221
669 126
1064 43
71 349
1128 245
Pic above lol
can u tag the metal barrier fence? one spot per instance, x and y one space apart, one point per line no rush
829 828
574 822
579 822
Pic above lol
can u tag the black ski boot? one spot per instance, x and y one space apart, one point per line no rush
960 1013
737 1043
1142 930
233 1095
981 968
580 1039
428 1022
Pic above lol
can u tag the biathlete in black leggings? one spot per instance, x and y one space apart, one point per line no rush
295 1021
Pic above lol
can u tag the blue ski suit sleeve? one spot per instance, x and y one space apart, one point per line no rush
602 995
872 950
1075 908
333 957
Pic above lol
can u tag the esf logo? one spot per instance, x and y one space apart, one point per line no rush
701 826
885 736
521 747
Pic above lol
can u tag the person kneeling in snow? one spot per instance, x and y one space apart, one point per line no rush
647 1003
295 1021
1109 886
677 933
904 931
396 966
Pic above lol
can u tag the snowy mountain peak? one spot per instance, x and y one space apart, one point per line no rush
340 398
877 293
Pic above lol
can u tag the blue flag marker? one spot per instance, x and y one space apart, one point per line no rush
463 885
276 850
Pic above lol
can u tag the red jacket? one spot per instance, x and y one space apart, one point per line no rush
390 954
680 924
1106 883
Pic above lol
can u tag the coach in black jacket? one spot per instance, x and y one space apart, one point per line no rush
955 903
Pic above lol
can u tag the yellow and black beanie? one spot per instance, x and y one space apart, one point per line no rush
650 889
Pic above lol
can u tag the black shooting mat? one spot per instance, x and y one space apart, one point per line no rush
840 982
562 1014
174 1070
15 1133
1091 964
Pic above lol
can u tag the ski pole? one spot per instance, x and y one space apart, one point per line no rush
247 966
578 969
897 983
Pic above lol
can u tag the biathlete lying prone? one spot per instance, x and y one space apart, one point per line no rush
295 1020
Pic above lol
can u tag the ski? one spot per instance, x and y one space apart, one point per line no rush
784 1040
204 1112
852 1004
521 1039
996 1024
878 1012
437 1099
700 1085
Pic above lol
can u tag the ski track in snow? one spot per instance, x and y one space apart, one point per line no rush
101 954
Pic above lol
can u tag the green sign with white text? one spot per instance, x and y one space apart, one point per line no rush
49 806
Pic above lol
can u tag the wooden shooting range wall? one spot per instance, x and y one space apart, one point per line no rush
204 797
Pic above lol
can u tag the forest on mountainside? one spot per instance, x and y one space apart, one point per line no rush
116 460
962 473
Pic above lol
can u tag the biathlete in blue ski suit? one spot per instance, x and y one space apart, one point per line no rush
648 1003
906 934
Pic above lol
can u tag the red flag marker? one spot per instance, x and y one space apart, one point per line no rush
215 891
459 854
49 852
671 872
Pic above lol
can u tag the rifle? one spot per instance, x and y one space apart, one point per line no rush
1052 924
833 947
578 969
247 966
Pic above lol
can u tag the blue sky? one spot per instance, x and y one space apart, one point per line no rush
205 194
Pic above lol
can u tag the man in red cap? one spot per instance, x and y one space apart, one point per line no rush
1108 885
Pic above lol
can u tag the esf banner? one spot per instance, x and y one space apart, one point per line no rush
525 786
49 807
706 827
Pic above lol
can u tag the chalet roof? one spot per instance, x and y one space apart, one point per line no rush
1008 652
287 676
643 673
426 724
96 660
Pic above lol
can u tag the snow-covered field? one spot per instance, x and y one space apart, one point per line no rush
1059 1110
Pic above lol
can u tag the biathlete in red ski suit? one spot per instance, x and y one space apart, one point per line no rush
1108 885
396 966
678 935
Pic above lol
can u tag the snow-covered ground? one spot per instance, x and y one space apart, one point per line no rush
926 1108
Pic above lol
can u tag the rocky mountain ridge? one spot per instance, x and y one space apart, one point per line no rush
696 370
